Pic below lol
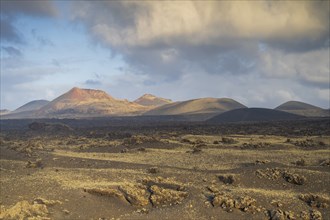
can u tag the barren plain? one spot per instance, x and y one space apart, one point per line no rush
184 170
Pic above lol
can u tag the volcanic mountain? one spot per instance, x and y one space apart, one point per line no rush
27 110
151 100
197 106
88 103
253 115
33 105
301 108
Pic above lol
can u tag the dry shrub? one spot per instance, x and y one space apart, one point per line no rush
255 145
164 197
261 161
36 164
228 179
227 140
24 210
315 200
196 150
269 173
228 203
185 140
224 201
136 195
325 163
294 178
300 162
278 214
153 170
164 183
275 173
306 143
311 215
46 202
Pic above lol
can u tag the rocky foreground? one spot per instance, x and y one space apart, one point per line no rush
58 171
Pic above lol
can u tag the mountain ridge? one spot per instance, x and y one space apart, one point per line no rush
32 105
151 100
253 115
197 106
304 109
80 102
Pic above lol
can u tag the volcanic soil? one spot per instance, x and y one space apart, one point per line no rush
186 171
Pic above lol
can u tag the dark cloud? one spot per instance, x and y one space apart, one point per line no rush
12 51
8 32
31 8
167 40
11 10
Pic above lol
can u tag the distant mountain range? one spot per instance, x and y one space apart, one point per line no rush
304 109
254 115
84 103
31 106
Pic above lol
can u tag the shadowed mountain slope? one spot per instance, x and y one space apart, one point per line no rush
197 106
253 114
33 105
301 108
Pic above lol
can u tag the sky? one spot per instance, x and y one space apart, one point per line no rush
260 53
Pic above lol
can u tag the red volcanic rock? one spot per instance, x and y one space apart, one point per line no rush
88 103
84 94
151 100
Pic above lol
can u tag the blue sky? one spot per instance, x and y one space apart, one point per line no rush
258 53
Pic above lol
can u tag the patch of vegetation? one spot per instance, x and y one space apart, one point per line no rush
315 200
300 162
311 215
166 197
325 162
228 203
153 170
255 145
294 178
34 164
261 161
227 140
275 173
228 179
278 214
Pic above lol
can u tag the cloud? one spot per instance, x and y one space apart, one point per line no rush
12 51
310 68
166 39
31 8
8 32
196 22
11 10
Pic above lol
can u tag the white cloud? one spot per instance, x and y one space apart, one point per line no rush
212 22
309 67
